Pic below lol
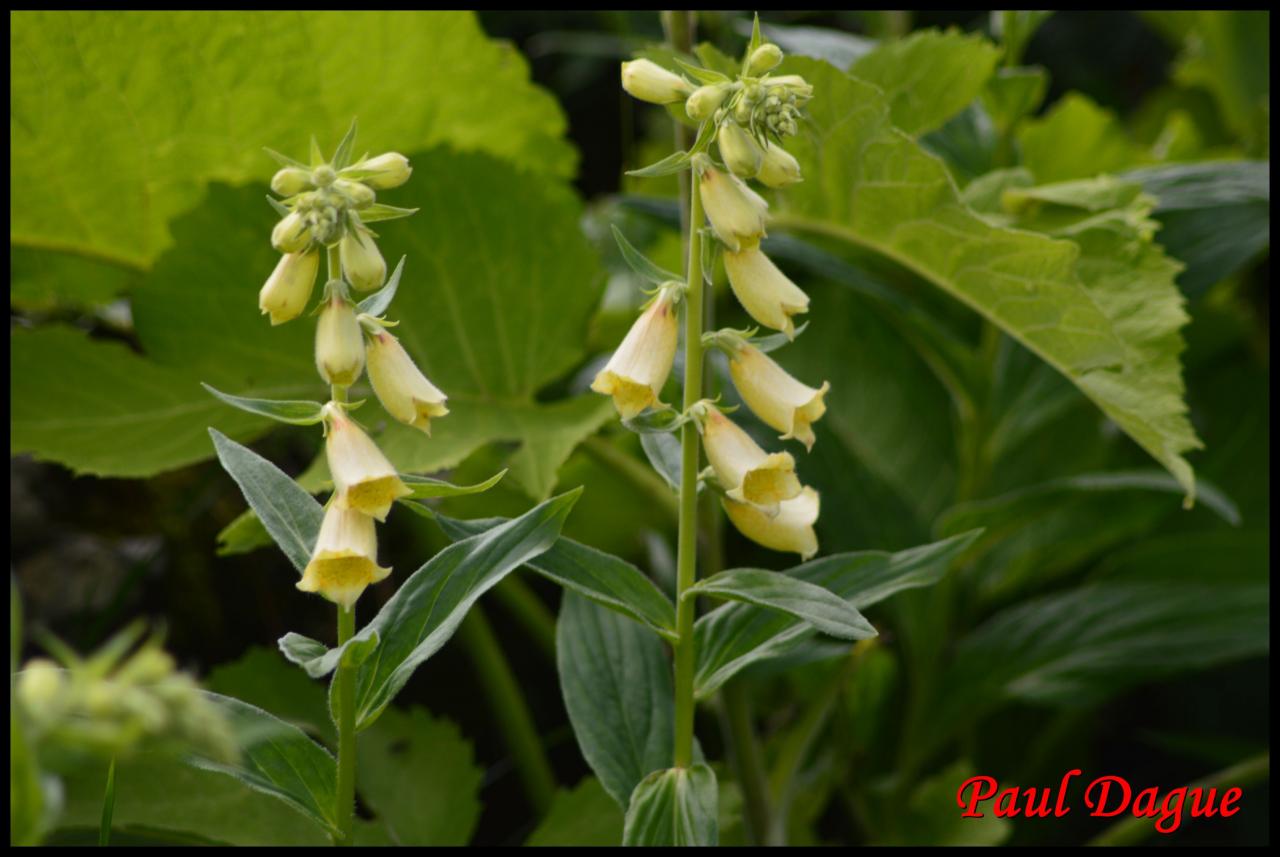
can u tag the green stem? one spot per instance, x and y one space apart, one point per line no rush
108 805
1133 830
346 687
687 541
509 708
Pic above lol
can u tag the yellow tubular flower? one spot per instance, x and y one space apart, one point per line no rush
363 479
740 153
636 372
361 260
345 560
790 530
706 100
737 213
748 473
339 345
779 400
779 168
764 291
401 387
650 82
285 294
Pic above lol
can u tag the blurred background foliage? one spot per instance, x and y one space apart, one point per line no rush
1096 624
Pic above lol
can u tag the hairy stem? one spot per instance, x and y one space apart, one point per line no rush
346 681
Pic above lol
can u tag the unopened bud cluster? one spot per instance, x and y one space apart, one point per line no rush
751 114
323 208
112 704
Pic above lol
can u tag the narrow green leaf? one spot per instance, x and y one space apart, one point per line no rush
700 74
278 759
657 421
601 577
809 602
639 263
424 487
342 155
427 609
379 212
284 160
296 413
663 452
673 163
734 636
377 303
289 513
774 341
677 806
756 41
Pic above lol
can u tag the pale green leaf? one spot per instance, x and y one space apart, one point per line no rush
736 635
928 77
1075 139
676 806
293 413
616 683
584 815
821 608
133 135
1071 302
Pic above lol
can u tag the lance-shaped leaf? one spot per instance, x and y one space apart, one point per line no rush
881 191
678 806
731 637
289 514
429 606
426 488
657 421
616 683
663 452
278 759
604 578
378 211
298 413
378 302
808 602
640 263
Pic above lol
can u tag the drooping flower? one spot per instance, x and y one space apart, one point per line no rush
737 213
388 170
747 472
636 372
345 559
779 168
362 262
740 153
778 399
363 479
401 387
764 291
339 344
790 530
285 294
650 82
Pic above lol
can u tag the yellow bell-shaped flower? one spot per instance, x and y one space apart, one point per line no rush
764 291
779 400
736 212
747 472
401 387
636 372
345 559
285 294
363 479
790 530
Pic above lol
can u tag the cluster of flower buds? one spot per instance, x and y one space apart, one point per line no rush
326 208
748 117
113 703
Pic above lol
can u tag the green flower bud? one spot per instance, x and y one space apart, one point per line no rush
740 153
323 175
360 195
779 168
291 234
650 82
339 343
361 260
764 58
388 170
706 100
290 181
